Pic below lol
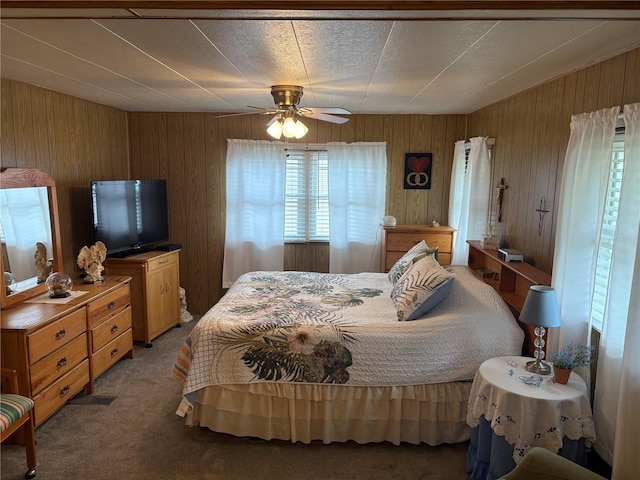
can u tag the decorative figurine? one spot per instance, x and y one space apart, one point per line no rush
42 265
90 260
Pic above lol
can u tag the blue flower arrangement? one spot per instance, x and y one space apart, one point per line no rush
573 355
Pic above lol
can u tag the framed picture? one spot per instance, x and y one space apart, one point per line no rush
417 171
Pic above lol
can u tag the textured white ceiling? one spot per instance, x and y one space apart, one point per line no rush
367 62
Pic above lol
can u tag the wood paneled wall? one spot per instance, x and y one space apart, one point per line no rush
74 141
532 130
189 149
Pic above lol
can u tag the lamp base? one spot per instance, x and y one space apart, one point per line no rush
539 367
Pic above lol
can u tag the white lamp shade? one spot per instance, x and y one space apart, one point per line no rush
301 129
275 130
289 127
541 307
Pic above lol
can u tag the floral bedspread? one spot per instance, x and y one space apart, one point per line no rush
343 329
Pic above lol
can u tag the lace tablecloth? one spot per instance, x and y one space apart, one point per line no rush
527 415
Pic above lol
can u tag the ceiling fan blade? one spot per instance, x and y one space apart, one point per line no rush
265 111
326 117
238 114
338 110
270 109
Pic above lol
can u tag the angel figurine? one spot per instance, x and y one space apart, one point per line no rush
90 260
40 259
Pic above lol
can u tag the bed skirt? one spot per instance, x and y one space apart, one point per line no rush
431 414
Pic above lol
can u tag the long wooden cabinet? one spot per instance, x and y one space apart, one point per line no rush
510 279
398 240
155 285
59 349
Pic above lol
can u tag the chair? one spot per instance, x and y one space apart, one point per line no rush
16 414
541 464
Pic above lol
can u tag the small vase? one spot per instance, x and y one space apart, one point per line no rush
561 374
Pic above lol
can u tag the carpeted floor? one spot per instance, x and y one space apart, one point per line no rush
127 429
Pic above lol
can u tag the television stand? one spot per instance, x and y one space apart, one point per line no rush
155 291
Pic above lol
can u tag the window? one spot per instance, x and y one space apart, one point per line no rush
609 220
306 196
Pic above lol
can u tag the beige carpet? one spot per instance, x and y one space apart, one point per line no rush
128 430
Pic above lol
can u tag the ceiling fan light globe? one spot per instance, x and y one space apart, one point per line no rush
289 127
301 129
275 130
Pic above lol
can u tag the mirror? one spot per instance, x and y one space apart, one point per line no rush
29 233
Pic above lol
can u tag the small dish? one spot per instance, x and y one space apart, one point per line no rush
531 379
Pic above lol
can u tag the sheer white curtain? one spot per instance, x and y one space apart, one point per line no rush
582 193
617 388
581 210
357 189
469 196
255 208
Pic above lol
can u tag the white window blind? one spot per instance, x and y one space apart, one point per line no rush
306 196
605 248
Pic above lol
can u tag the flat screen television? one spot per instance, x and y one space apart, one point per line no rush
129 216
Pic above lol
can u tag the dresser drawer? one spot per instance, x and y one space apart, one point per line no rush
161 262
58 363
110 329
111 353
402 242
63 389
393 257
106 306
59 333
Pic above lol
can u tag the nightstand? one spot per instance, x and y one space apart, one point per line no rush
509 414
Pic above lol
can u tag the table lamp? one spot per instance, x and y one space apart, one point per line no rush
541 310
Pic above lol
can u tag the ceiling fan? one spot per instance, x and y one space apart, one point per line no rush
284 121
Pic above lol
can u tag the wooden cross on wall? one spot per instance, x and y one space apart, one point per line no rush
542 210
501 188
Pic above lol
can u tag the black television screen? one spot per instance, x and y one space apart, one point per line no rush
129 215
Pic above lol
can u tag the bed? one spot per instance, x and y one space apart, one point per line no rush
304 356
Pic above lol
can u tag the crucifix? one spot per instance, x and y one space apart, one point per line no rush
541 212
501 188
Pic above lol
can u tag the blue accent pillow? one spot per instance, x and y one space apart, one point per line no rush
405 261
421 288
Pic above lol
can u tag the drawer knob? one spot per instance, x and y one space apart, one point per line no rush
61 334
114 329
111 305
162 262
62 362
114 352
64 391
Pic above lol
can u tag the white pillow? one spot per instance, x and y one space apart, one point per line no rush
405 261
423 286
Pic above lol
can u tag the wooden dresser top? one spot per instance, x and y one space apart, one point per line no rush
31 316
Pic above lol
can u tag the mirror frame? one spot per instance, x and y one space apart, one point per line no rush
25 178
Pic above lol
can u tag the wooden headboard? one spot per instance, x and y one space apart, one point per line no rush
511 280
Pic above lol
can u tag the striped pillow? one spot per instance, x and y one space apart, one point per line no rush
12 407
404 262
423 286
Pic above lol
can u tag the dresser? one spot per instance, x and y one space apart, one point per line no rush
155 294
397 241
60 348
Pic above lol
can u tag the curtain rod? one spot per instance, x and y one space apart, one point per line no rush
307 147
490 141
